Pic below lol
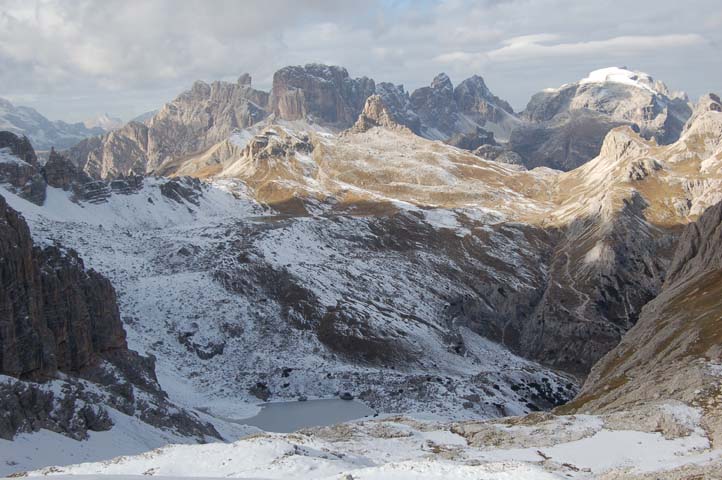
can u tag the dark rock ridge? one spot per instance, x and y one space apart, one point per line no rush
58 317
23 175
19 167
445 111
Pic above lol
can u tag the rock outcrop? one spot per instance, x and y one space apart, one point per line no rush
59 172
398 101
56 316
320 94
377 114
18 167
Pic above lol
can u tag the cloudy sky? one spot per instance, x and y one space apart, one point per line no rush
75 59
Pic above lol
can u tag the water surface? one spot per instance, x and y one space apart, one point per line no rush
286 417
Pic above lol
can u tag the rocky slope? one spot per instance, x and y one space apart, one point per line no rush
64 360
43 133
674 350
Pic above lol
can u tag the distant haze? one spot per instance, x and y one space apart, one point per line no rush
76 60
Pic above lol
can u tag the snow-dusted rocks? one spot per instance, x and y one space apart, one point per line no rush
377 114
19 167
65 362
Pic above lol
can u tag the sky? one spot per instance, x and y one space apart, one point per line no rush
76 59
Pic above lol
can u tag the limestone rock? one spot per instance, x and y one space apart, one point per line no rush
320 94
59 172
376 114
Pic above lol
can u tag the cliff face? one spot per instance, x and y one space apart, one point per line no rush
319 93
674 350
18 167
56 316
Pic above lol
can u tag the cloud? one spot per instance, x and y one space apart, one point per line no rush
540 46
536 46
127 56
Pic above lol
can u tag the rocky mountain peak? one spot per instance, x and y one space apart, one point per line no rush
60 172
399 102
625 76
442 82
18 146
621 143
709 102
245 79
376 114
476 102
319 93
580 114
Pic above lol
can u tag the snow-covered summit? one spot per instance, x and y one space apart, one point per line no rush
104 121
621 75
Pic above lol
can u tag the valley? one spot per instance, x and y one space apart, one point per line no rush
473 308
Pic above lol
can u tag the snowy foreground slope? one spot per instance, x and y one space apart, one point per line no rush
195 282
163 255
539 446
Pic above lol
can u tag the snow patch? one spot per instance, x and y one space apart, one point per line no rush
623 76
6 156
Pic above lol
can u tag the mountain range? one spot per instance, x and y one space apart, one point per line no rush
431 252
43 133
560 128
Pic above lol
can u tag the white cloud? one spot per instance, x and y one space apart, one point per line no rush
536 46
126 56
